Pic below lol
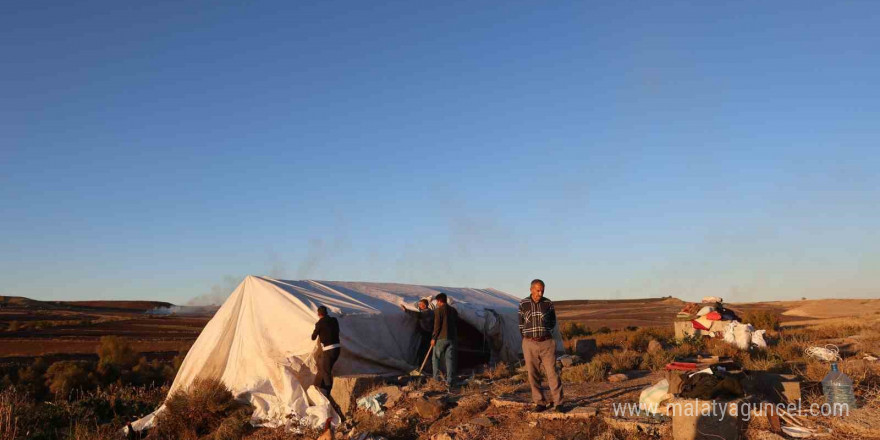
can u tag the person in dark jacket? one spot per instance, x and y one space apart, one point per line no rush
537 318
327 333
444 338
424 327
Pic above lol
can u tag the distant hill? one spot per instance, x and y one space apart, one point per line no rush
20 302
26 303
117 305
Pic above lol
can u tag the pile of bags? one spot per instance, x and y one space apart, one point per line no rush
711 317
704 313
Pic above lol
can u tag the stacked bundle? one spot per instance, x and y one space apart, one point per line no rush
713 311
709 316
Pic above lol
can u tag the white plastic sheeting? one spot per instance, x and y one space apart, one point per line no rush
259 341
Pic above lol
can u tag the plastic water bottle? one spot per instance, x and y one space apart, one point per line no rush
838 390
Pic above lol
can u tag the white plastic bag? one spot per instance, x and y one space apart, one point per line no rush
758 338
743 335
651 397
729 336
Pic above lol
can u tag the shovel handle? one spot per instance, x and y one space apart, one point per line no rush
426 359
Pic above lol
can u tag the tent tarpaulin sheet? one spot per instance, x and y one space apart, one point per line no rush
259 341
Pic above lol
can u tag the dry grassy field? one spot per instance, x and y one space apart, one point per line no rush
87 386
72 330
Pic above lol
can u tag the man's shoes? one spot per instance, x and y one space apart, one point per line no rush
557 409
539 407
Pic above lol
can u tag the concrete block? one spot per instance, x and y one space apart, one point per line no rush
347 389
694 419
585 348
778 388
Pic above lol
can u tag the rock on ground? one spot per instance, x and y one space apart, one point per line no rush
429 408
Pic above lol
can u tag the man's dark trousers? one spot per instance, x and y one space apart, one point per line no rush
324 378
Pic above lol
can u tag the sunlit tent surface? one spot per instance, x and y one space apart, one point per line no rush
259 341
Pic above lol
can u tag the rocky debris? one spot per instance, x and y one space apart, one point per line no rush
504 403
654 346
429 408
568 360
392 394
485 422
442 436
619 377
366 436
346 389
581 412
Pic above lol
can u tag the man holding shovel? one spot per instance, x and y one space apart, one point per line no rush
444 338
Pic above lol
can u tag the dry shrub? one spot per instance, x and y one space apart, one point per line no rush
66 376
432 385
639 339
657 361
813 370
789 349
593 371
207 407
83 431
836 331
570 330
389 427
611 341
762 319
277 434
761 360
468 406
864 374
500 371
506 387
117 352
10 400
621 361
718 347
869 343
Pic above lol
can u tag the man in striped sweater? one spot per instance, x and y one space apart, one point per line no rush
537 318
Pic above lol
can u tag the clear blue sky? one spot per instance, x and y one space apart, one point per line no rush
154 150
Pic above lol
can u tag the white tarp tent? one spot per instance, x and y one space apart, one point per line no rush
259 341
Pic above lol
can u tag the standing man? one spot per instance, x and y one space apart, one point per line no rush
444 338
327 332
424 327
536 321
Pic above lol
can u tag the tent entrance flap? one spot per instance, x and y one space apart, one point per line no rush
474 350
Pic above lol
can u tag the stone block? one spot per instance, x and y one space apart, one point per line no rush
429 409
347 389
585 348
